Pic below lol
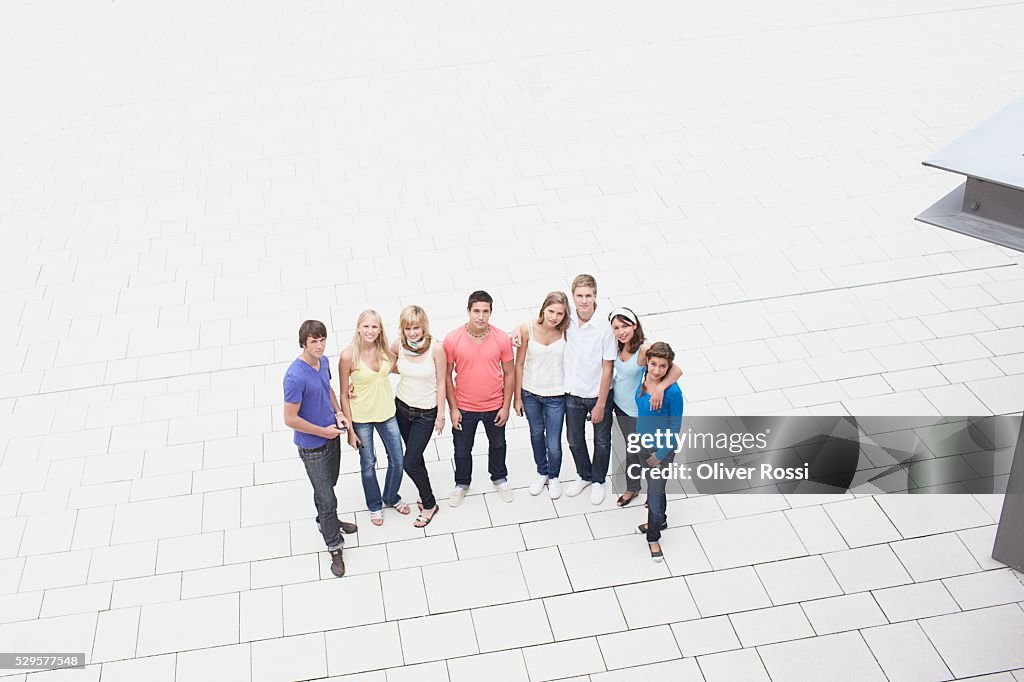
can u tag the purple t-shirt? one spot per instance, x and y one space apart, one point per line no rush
312 390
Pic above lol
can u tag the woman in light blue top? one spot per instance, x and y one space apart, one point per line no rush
629 365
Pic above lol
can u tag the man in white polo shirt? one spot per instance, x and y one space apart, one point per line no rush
589 355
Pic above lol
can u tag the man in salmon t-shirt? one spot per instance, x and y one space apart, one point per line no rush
479 392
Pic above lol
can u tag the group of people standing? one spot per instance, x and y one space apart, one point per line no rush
565 367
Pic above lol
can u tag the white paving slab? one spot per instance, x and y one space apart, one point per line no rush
843 656
978 642
905 654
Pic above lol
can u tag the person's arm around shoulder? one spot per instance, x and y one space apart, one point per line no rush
508 375
524 335
344 373
440 369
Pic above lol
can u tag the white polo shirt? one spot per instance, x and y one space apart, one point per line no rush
587 346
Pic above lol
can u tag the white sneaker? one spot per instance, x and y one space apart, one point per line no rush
457 496
538 484
597 493
505 491
576 487
554 488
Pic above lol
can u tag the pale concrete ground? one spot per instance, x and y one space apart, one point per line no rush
182 183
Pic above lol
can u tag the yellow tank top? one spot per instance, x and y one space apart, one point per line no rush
374 401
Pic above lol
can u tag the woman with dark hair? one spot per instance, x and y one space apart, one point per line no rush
629 364
666 419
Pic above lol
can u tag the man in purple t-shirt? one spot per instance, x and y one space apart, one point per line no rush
311 408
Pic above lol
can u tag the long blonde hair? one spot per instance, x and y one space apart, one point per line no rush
414 316
356 348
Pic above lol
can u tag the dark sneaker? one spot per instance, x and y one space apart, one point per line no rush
346 527
337 564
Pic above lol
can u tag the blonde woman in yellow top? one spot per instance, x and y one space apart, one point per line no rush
366 365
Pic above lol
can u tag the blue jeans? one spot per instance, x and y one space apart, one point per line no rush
576 410
417 426
544 414
463 440
657 502
389 433
322 466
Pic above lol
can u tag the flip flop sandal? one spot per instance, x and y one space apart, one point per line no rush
401 507
623 500
424 521
377 517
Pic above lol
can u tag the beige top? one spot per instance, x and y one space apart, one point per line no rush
417 385
544 368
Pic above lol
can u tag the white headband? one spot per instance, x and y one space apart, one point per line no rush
626 313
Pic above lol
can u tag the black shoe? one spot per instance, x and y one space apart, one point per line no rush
346 527
657 556
337 563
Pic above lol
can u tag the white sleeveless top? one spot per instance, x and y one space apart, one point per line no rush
417 383
544 369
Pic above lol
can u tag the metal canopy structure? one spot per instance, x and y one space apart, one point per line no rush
990 204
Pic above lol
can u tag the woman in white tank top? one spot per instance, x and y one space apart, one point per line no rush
539 392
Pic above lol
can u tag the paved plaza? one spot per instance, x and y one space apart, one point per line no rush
181 184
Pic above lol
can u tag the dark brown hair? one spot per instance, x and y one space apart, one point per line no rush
314 328
662 350
638 333
480 297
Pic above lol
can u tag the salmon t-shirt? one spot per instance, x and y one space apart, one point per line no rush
479 382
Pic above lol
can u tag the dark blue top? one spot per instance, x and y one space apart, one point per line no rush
312 390
668 418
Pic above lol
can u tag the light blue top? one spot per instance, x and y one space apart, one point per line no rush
625 383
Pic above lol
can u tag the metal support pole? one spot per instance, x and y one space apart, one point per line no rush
1009 545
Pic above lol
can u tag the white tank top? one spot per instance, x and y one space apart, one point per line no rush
417 383
544 369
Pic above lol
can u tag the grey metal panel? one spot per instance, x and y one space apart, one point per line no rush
1009 545
991 151
982 210
990 205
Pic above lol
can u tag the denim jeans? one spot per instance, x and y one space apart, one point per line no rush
627 425
464 439
415 426
322 466
576 410
545 414
657 502
389 433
